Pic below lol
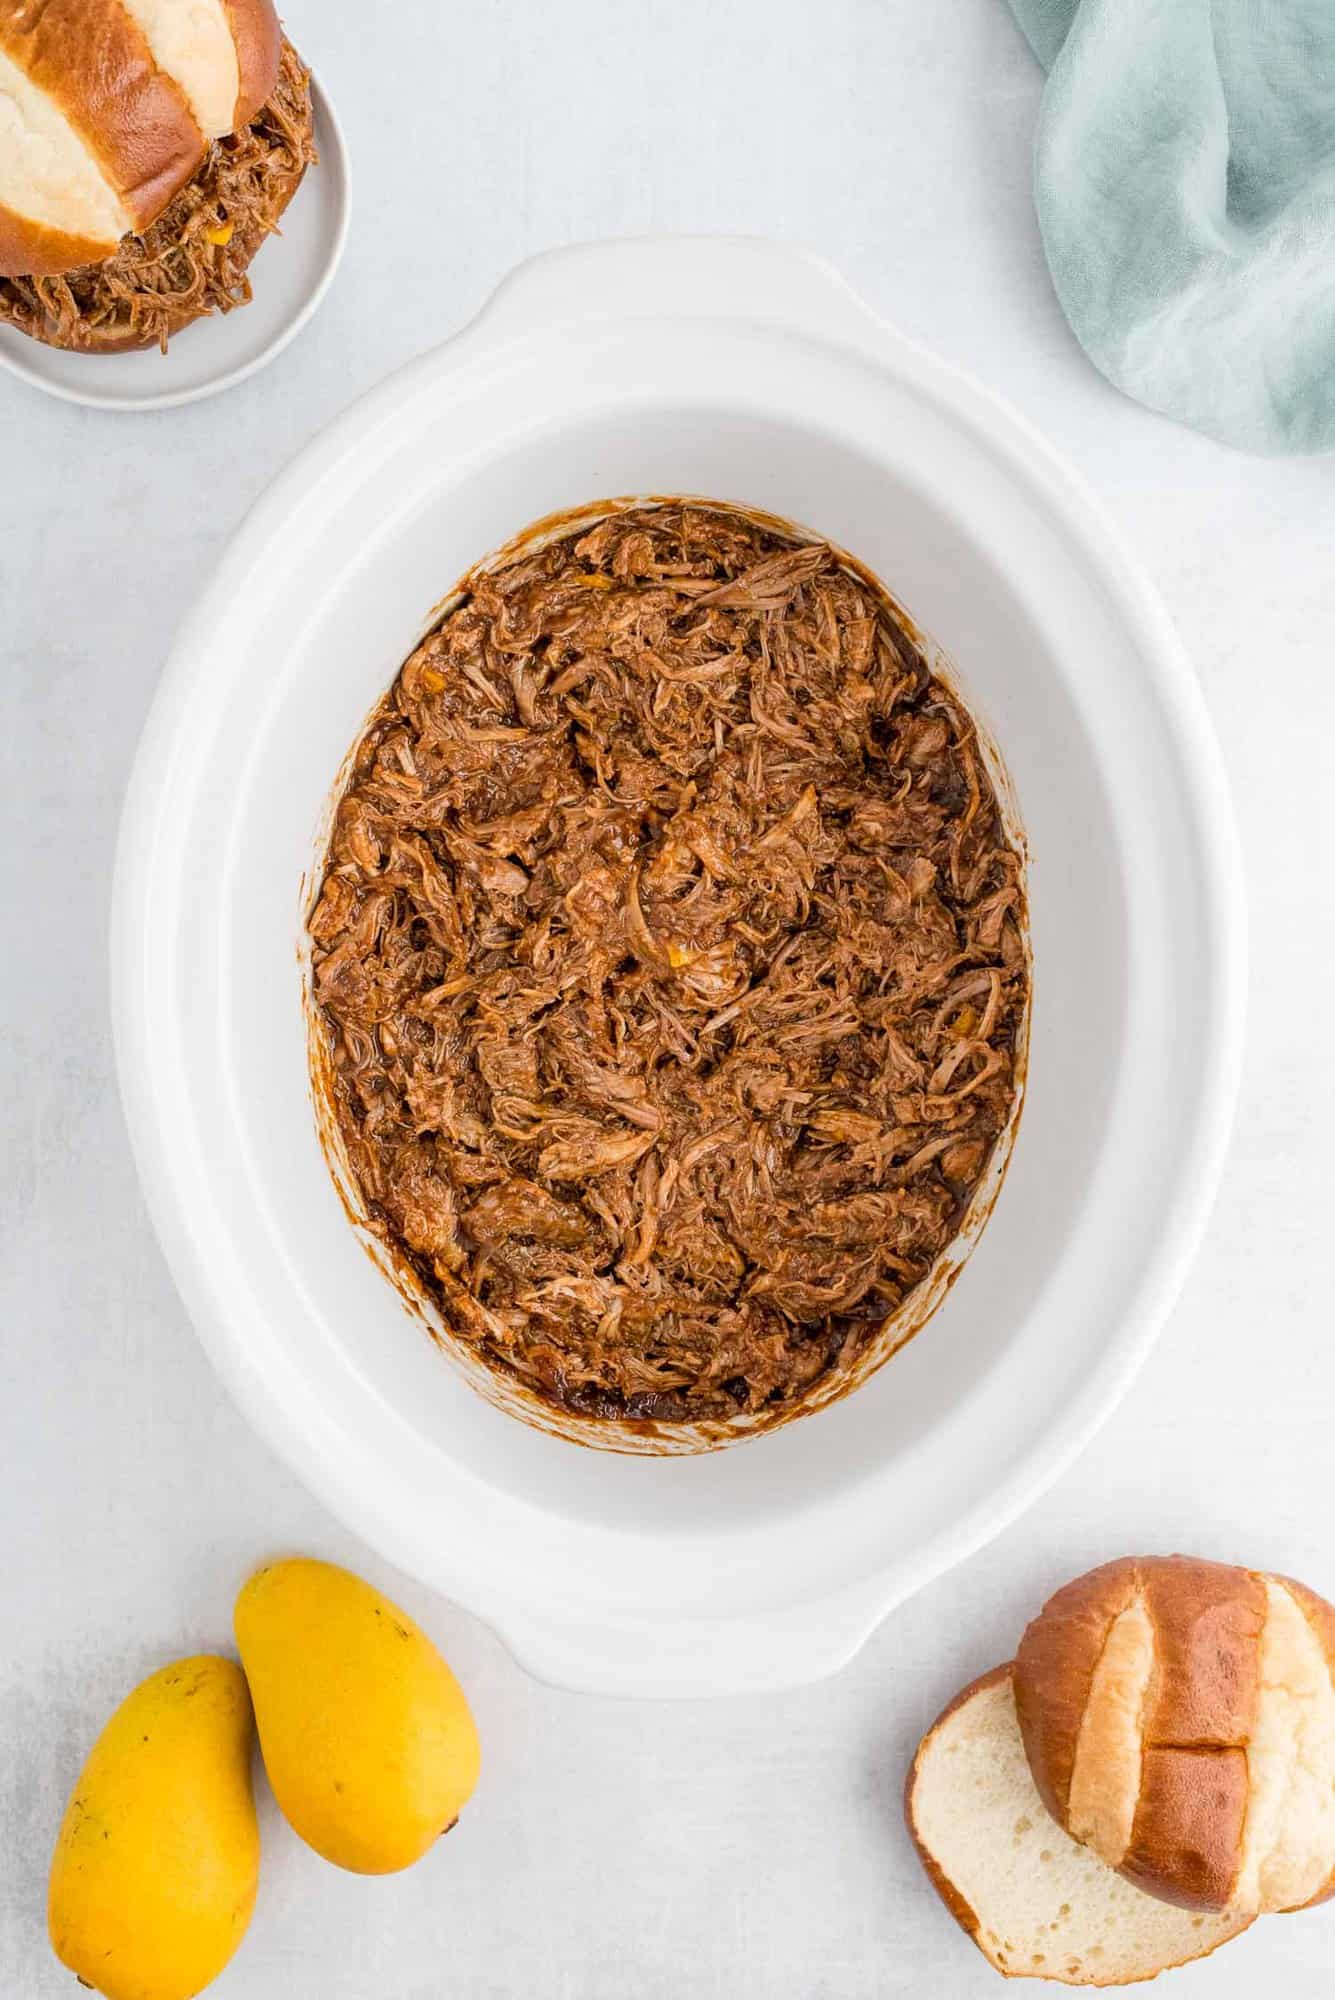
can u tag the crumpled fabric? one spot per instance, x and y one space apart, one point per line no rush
1185 186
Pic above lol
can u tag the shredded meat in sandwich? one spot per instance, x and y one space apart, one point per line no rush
194 259
670 955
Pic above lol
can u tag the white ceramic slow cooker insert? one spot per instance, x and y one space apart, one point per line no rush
752 375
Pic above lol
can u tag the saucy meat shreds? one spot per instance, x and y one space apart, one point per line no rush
670 951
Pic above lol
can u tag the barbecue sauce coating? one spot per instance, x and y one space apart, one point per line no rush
671 960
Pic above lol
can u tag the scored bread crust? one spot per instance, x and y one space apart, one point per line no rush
1186 1834
91 60
1055 1670
259 42
1191 1782
1060 1968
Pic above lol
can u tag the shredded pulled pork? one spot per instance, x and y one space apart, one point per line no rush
670 954
194 258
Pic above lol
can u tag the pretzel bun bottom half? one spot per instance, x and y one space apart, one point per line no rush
1036 1903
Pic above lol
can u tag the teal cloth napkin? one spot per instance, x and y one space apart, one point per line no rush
1185 185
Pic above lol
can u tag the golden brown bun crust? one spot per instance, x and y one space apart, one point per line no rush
1187 1833
1187 1837
1207 1618
259 43
29 249
94 63
1199 1713
1186 1842
1054 1666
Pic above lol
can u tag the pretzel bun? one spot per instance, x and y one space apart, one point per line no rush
107 108
1179 1719
1037 1905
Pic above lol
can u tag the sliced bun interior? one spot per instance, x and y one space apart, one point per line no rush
1036 1903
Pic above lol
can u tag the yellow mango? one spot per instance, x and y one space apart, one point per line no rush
367 1739
158 1856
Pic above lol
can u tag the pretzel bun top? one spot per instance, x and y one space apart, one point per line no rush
107 109
1179 1718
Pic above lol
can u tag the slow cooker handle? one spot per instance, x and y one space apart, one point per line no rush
683 1658
734 277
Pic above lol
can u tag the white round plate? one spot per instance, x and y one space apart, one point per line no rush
291 275
750 374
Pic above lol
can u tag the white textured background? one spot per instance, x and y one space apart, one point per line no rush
622 1850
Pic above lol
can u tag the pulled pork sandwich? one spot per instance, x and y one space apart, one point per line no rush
147 149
